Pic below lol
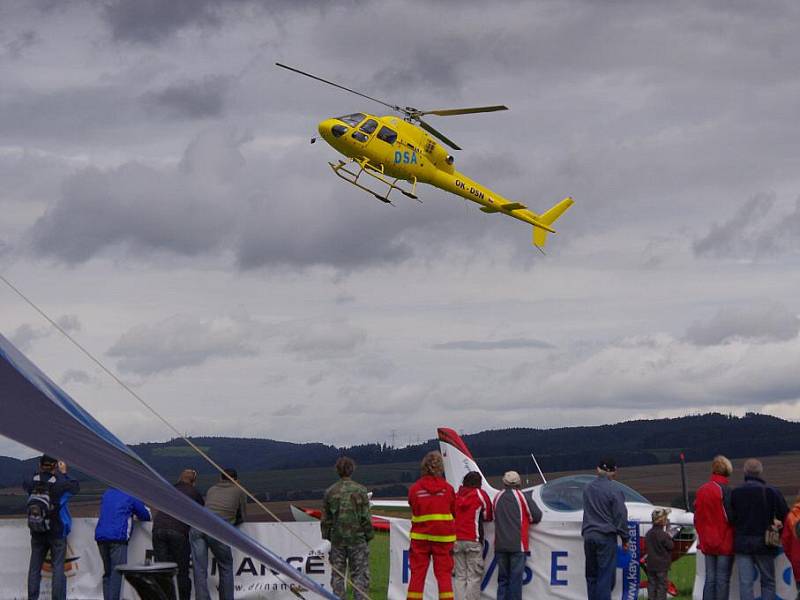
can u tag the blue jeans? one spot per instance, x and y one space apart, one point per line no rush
748 564
718 577
200 543
510 570
601 564
40 544
113 554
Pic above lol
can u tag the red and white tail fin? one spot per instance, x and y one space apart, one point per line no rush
458 460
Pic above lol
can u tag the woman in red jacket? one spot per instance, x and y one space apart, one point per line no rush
714 532
791 544
433 533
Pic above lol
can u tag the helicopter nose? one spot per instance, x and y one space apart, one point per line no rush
325 127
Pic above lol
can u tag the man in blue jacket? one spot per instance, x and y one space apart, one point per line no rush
112 533
49 489
605 518
754 507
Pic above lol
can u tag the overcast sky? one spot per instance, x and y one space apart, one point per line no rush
159 197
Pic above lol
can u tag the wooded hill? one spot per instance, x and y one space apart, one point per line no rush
632 443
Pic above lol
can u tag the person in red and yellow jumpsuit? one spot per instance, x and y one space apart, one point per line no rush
433 532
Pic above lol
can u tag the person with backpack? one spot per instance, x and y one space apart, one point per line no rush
112 533
758 511
48 491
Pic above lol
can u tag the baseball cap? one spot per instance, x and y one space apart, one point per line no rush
511 478
609 465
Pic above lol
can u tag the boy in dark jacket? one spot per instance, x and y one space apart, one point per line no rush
50 483
112 534
659 555
754 507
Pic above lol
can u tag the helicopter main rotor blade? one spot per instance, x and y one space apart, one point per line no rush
341 87
463 111
438 134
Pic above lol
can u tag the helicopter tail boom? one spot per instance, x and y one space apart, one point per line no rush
548 218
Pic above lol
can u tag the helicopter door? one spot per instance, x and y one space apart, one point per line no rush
364 133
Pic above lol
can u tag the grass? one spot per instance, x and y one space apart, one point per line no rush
681 573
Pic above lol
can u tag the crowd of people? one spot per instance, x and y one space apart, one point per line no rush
747 525
49 521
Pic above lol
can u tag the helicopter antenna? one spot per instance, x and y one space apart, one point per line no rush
411 113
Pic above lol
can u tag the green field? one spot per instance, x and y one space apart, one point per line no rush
681 574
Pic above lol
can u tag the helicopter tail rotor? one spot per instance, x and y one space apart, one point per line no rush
548 218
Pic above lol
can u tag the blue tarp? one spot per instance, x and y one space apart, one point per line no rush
35 412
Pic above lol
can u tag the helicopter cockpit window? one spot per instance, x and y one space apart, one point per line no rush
369 126
357 135
353 119
565 494
338 130
387 135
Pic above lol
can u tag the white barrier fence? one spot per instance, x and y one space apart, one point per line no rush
85 569
555 567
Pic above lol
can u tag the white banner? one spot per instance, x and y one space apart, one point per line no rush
84 568
554 567
784 580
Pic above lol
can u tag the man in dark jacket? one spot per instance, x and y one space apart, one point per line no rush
49 489
605 517
112 533
754 507
171 536
514 512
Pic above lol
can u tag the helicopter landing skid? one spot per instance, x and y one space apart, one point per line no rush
365 166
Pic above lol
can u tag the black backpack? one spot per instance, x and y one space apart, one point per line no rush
40 505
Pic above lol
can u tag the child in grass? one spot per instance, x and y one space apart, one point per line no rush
659 555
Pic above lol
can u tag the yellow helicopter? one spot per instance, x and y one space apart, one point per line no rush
393 149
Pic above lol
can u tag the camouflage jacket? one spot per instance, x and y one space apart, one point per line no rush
346 520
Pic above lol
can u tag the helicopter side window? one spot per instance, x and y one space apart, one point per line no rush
353 119
357 135
387 135
369 126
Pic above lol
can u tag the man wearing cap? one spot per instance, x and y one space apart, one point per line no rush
514 512
605 518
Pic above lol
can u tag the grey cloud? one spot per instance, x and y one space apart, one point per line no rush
75 376
316 341
151 21
508 344
735 237
69 323
144 208
24 336
20 42
182 341
191 99
289 410
773 322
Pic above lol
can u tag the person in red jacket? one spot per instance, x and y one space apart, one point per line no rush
433 503
473 508
714 532
790 542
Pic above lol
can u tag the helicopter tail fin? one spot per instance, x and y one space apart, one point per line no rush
548 218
